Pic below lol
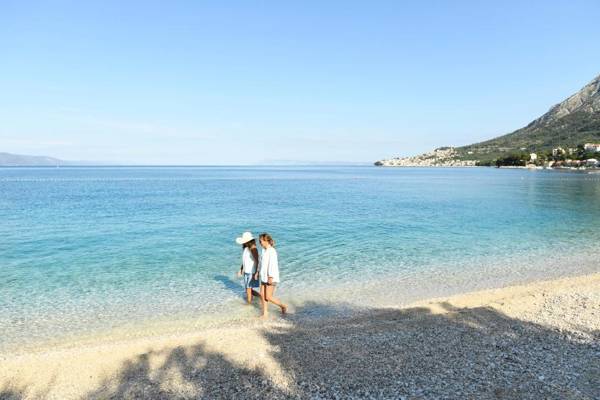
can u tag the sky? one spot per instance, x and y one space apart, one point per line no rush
245 82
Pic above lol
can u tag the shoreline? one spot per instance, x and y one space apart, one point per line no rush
566 310
560 169
344 299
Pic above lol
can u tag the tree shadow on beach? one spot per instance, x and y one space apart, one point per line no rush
11 392
189 372
8 393
412 353
383 353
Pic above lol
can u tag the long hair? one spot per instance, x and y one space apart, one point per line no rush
251 245
267 238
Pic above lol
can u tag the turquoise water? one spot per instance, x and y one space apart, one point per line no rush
87 249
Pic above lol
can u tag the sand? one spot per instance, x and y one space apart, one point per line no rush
540 340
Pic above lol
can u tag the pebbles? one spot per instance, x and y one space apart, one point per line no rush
549 351
540 341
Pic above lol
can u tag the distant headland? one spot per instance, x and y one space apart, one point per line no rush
567 136
20 160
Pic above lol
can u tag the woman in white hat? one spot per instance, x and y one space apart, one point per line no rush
249 267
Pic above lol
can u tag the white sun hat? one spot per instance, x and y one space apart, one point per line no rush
246 237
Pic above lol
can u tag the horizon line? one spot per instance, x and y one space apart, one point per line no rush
188 165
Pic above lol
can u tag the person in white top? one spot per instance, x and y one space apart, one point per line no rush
269 274
249 267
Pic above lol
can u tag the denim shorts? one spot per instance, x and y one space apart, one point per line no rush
249 282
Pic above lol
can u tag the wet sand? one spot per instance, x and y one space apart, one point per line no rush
540 340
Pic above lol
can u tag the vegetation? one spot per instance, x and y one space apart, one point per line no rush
566 125
521 159
567 132
514 160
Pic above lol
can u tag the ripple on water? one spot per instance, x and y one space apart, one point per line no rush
94 250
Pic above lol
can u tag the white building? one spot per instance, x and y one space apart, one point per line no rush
533 157
592 146
558 151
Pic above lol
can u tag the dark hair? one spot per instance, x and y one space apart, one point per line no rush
251 244
267 238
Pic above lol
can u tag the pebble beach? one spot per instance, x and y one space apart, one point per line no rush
539 340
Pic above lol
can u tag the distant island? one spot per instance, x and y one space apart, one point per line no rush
20 160
567 136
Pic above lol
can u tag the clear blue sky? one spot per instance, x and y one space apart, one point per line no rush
234 82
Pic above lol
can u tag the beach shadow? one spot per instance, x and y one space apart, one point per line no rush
11 392
230 284
7 393
384 354
238 289
201 374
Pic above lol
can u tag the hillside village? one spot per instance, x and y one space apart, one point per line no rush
567 136
441 157
586 156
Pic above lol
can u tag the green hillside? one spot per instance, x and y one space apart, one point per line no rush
574 121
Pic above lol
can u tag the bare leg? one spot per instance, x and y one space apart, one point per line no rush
249 296
270 292
263 301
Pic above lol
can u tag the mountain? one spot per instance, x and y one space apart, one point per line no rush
17 160
574 121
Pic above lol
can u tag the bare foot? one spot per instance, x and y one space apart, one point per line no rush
284 309
264 317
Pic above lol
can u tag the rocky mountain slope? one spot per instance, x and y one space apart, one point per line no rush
575 120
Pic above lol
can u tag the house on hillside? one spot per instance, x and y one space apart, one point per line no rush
592 147
559 151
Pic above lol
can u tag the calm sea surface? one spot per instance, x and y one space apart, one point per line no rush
92 249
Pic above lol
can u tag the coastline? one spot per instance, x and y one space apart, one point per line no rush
532 340
402 288
574 170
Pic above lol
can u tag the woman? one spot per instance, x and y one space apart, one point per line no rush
249 264
269 275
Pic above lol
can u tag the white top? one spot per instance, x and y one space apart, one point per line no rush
269 266
248 261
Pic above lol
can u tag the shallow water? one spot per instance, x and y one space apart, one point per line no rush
89 249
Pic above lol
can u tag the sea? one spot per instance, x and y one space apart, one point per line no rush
86 251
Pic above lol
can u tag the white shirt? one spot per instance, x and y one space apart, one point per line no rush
269 266
248 261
